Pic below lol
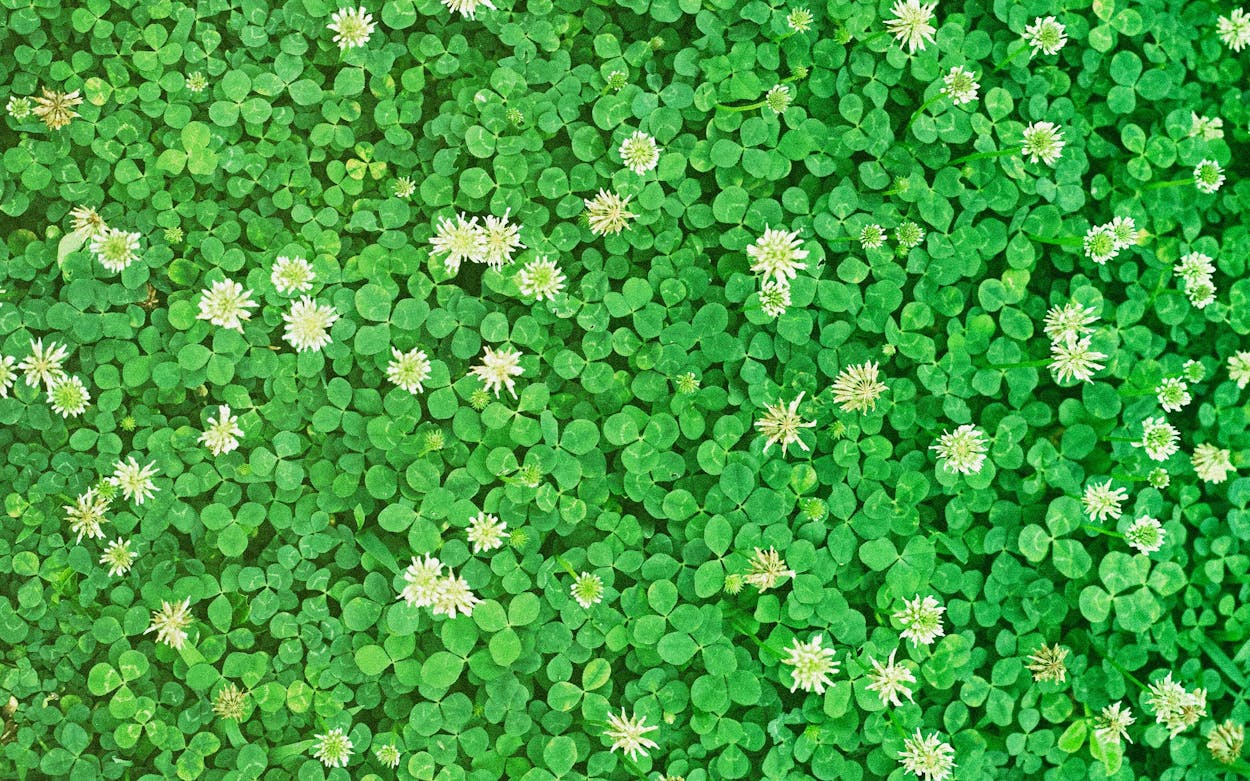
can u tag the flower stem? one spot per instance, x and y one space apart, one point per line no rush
741 108
873 36
1173 183
916 114
1091 528
1066 241
758 641
983 155
1023 48
1126 673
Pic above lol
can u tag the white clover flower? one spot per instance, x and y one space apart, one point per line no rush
778 98
889 680
351 27
606 213
1043 142
1145 534
541 278
1208 176
1124 231
225 304
1100 244
86 515
962 450
909 234
774 298
222 434
766 569
8 374
135 482
912 24
1208 128
1212 464
587 589
170 623
1200 293
1195 267
498 368
1160 439
68 397
961 85
1112 723
1101 501
812 664
1234 29
1075 360
308 324
388 755
462 240
921 619
1226 741
780 424
197 81
452 594
421 581
19 108
1070 322
871 236
115 249
799 20
486 532
1046 35
776 255
43 365
928 757
467 7
1239 368
640 152
1046 663
88 221
408 370
500 240
403 187
333 749
292 275
1174 707
56 109
1173 394
628 733
118 557
857 387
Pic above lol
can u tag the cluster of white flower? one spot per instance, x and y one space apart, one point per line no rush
44 366
425 585
962 450
1104 242
1176 708
777 256
1197 271
1208 176
486 532
1071 350
115 249
493 243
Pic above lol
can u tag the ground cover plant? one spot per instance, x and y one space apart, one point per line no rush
663 389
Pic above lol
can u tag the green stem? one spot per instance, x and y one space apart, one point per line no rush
1119 438
1173 183
1023 48
1066 241
758 104
758 641
916 114
983 155
889 716
1129 478
560 560
1019 364
873 36
1126 674
1090 528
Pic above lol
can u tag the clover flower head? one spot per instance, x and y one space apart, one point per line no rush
486 532
351 27
1234 29
500 239
1208 176
921 619
780 424
115 249
1124 231
498 369
68 397
222 434
1212 464
1046 35
1208 128
1174 706
421 580
1101 501
230 702
170 623
1112 723
1159 439
467 7
640 152
962 450
960 84
857 387
912 24
308 324
8 374
541 278
333 749
118 557
616 81
1159 478
776 255
1194 371
56 109
19 107
408 370
766 569
1043 142
1070 322
292 275
812 664
462 240
890 680
197 81
1145 534
452 594
388 755
909 234
606 213
778 98
1226 741
225 303
628 733
587 589
43 365
928 757
1195 267
1173 394
1100 244
774 297
86 515
1238 368
404 187
134 481
1047 663
88 220
871 236
1075 360
687 383
799 20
